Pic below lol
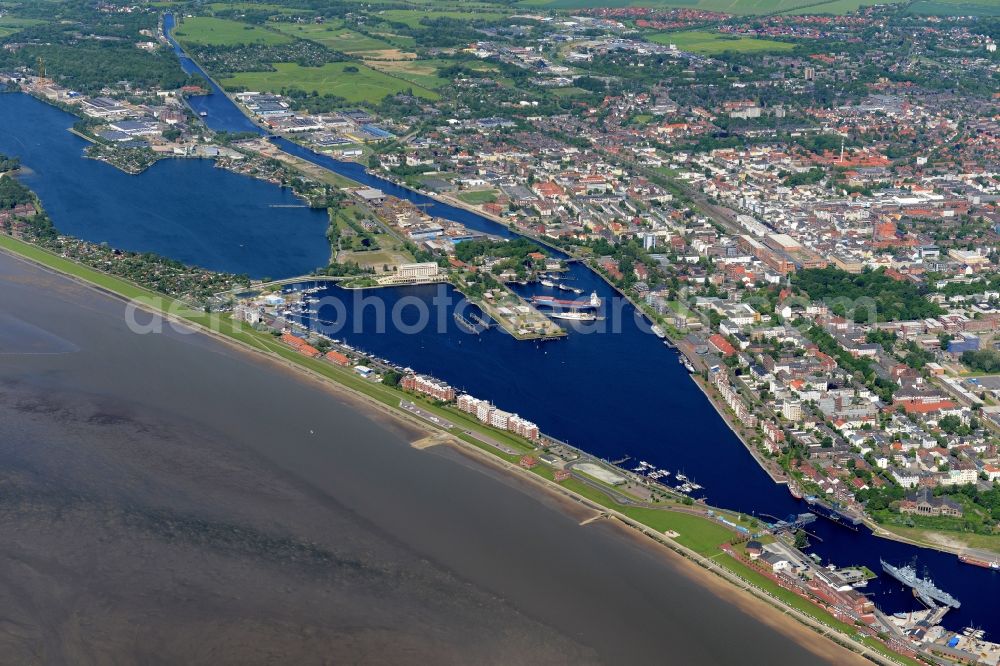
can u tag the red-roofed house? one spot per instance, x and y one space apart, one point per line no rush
721 344
338 358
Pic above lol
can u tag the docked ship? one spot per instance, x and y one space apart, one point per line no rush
547 283
658 332
980 562
833 513
465 324
485 321
573 316
924 589
592 303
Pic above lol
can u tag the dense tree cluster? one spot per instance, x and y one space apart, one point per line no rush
13 193
857 365
9 163
985 360
258 57
869 296
91 66
518 248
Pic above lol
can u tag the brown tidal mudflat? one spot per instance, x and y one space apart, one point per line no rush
170 499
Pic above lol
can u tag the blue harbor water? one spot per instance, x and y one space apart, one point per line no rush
184 209
612 394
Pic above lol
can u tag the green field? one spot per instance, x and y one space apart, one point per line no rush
955 7
222 32
365 85
699 41
411 17
399 41
478 197
419 72
333 35
727 6
255 6
11 24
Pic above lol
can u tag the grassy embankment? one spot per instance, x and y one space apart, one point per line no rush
950 540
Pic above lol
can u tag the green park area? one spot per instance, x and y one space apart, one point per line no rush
701 41
352 81
223 32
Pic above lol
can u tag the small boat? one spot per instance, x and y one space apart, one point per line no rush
203 114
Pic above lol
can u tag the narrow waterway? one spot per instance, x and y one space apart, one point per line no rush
612 394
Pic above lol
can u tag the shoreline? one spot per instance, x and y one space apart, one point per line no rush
399 418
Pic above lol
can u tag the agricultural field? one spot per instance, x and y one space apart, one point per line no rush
411 17
333 35
728 6
364 85
832 7
698 41
11 24
419 72
399 41
222 32
255 6
955 7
